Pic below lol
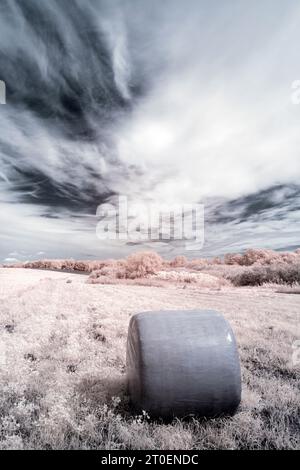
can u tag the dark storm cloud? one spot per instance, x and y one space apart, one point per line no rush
272 203
57 62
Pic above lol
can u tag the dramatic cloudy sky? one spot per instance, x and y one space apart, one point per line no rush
174 102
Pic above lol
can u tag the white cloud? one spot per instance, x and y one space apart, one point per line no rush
216 120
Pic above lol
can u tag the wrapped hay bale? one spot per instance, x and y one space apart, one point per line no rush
182 363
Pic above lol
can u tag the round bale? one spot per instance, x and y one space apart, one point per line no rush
182 363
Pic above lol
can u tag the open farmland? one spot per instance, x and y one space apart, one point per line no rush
62 373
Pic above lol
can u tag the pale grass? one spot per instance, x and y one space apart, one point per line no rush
62 371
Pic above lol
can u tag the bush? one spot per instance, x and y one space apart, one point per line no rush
136 266
179 262
143 264
81 266
259 275
233 259
114 269
216 261
262 258
197 264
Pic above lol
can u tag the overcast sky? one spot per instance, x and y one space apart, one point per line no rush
174 102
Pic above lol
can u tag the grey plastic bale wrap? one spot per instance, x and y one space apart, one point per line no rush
181 363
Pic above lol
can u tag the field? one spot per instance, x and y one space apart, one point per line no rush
62 373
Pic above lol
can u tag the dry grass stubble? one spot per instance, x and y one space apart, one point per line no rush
62 373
